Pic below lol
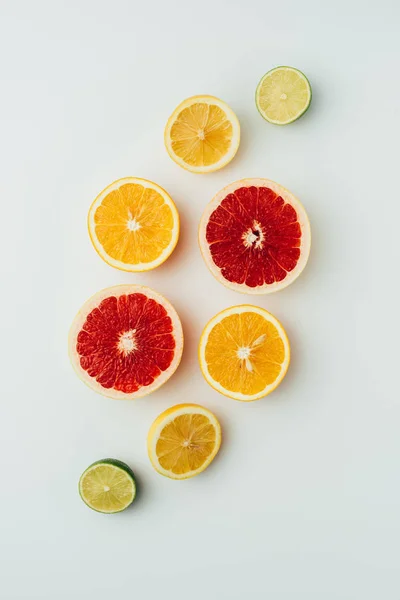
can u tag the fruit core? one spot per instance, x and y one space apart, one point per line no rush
254 236
132 224
127 343
243 353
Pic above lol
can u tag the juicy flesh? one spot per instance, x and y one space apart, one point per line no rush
244 353
126 342
283 95
186 443
107 488
201 135
254 237
134 224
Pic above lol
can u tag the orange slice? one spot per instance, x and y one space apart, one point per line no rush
244 353
183 441
202 134
133 224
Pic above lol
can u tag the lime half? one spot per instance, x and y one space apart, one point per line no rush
283 95
108 486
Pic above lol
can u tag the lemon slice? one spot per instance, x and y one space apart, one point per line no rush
283 95
133 224
202 134
108 486
183 441
244 353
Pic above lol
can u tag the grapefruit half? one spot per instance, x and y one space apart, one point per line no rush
126 341
255 236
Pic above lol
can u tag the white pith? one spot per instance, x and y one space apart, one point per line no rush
250 239
305 243
234 310
127 343
159 424
80 319
133 225
211 100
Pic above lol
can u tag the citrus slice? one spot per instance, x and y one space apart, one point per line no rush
126 341
283 95
133 224
255 236
202 134
108 486
183 441
244 353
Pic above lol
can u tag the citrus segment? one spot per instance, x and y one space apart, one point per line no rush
108 486
133 224
255 236
283 95
126 341
244 352
203 134
183 441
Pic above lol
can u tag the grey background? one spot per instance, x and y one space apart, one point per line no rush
303 500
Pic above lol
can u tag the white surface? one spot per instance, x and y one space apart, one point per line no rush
303 501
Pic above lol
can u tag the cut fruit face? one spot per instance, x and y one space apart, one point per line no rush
283 95
183 441
202 134
108 486
133 224
244 353
255 236
126 341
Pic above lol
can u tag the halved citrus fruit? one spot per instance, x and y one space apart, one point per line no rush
255 236
183 441
126 341
202 134
283 95
133 224
244 353
108 486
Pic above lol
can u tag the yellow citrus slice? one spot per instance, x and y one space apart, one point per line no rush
183 441
283 95
202 134
133 224
244 353
108 486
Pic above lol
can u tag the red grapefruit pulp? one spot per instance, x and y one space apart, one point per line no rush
255 236
126 341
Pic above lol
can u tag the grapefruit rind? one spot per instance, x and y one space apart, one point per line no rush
80 319
212 100
304 246
203 343
138 267
166 417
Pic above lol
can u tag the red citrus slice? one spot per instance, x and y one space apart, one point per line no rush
255 236
126 341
